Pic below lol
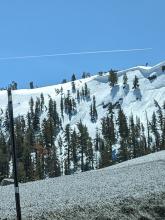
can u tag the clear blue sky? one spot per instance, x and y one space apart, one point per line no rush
37 27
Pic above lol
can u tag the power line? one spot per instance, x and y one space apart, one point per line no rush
74 53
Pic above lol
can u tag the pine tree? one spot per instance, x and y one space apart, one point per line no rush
64 81
50 108
48 134
86 92
93 110
61 90
143 142
149 139
125 80
31 104
98 147
162 142
73 87
132 137
4 157
28 165
62 106
19 135
6 120
159 114
67 134
123 153
60 144
135 83
73 77
74 149
100 73
78 96
56 170
56 119
73 106
84 75
13 85
109 137
36 117
139 149
97 140
31 85
42 102
85 146
113 78
154 130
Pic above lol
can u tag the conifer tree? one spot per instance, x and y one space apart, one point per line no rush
73 87
31 85
64 81
109 136
149 139
135 83
6 120
138 148
31 104
123 153
42 102
132 137
73 77
93 110
98 142
73 106
143 142
67 135
82 93
74 149
36 117
86 92
61 90
28 164
125 80
13 85
48 141
113 78
84 75
159 115
85 146
19 135
78 95
162 141
4 157
62 106
55 164
154 130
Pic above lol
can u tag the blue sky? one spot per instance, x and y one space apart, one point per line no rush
51 26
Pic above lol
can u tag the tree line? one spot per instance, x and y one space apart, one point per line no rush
46 147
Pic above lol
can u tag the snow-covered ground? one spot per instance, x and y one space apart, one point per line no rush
100 192
99 86
129 190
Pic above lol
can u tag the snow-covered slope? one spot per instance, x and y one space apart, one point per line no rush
129 190
99 86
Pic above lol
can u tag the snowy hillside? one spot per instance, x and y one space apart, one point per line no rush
131 190
85 124
99 87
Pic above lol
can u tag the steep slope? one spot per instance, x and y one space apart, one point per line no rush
131 190
136 102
